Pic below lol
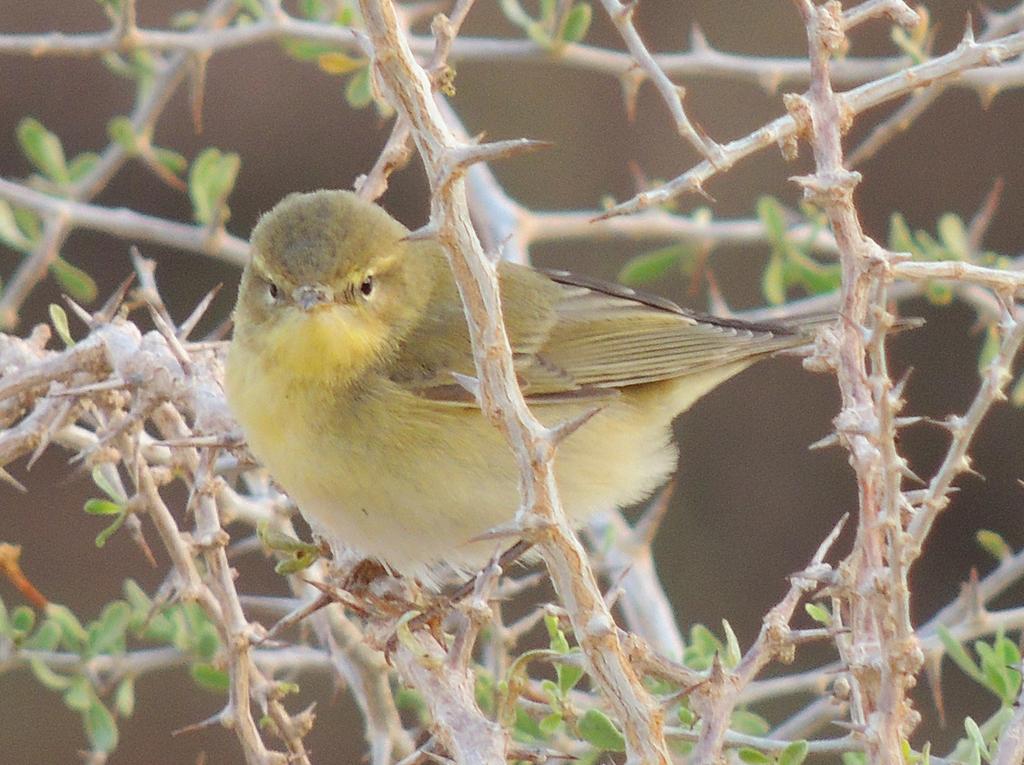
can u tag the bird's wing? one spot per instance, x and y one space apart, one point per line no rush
574 337
609 336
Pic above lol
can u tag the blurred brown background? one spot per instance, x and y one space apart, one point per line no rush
753 502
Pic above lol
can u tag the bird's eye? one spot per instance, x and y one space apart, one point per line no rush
367 286
273 291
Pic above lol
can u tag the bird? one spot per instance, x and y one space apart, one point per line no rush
344 374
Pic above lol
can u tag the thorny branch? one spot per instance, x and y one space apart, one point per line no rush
872 599
541 518
969 54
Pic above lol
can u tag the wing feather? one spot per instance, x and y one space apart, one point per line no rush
576 337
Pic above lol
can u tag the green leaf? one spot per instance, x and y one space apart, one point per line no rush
568 675
704 641
143 69
558 641
10 232
956 652
296 563
514 12
484 692
170 159
816 278
550 690
118 65
773 284
650 266
686 716
100 727
210 678
73 634
794 754
338 62
997 681
732 654
307 50
23 619
76 282
124 697
577 23
989 349
701 648
102 507
82 164
993 544
550 724
900 238
773 217
597 730
974 734
280 542
820 614
46 638
210 180
953 234
107 634
1008 651
539 33
79 694
347 16
59 319
358 89
136 597
121 131
43 150
525 728
104 536
547 12
753 756
312 9
47 677
751 723
997 661
206 643
29 223
408 700
160 628
105 484
930 248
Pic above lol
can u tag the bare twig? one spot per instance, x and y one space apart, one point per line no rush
968 55
622 17
128 224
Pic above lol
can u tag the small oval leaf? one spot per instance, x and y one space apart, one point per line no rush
600 732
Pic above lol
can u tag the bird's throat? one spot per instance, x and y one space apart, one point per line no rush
332 347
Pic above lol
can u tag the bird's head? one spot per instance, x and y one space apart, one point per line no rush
329 287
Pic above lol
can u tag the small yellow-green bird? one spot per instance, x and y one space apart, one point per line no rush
347 336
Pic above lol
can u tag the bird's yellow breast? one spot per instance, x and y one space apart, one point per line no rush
279 382
412 481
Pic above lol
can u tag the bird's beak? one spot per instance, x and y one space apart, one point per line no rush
309 296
